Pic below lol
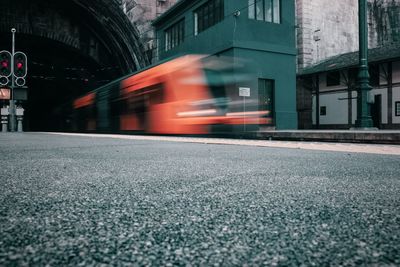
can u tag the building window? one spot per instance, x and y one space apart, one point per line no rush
374 75
333 78
322 111
208 15
397 108
175 35
266 10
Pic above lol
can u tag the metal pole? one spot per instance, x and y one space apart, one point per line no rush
244 114
363 113
12 103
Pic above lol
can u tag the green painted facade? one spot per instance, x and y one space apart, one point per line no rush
269 48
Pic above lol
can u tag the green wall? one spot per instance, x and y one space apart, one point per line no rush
268 48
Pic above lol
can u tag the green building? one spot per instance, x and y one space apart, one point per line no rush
262 32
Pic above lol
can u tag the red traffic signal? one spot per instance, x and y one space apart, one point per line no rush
5 63
20 65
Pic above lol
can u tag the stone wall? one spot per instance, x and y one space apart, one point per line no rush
141 13
384 18
327 28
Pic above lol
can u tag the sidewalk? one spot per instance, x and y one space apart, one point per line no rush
347 136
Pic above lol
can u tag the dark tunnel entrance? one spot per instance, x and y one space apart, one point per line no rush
56 75
73 47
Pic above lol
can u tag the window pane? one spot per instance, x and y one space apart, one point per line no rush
178 33
277 11
259 10
201 20
322 111
333 78
251 9
221 10
206 12
174 31
166 41
208 15
175 35
217 13
183 31
397 108
196 23
268 10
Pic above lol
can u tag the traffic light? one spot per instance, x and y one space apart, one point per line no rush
20 65
20 68
5 67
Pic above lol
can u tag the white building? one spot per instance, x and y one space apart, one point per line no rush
327 92
328 61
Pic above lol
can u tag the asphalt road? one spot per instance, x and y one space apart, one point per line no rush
79 201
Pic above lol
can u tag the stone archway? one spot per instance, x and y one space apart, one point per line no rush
73 46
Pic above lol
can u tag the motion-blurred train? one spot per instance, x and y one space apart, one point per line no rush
187 95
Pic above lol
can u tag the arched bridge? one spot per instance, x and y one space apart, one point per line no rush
72 46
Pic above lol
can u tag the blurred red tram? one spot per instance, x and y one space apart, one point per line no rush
182 96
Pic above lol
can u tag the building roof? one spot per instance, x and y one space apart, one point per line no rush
380 54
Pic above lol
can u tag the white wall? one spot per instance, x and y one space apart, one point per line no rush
336 108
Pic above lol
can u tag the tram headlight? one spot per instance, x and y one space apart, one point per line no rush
197 113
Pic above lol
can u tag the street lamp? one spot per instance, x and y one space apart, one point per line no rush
363 112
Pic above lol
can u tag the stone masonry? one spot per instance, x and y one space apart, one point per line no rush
327 28
141 13
384 16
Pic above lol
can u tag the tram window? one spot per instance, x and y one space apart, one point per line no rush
156 94
215 83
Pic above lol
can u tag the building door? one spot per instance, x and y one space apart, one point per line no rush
376 111
266 99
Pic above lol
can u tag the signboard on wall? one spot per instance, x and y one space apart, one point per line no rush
5 93
244 91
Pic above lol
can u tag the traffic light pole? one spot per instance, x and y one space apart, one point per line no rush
12 102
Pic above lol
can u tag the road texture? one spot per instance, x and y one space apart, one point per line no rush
81 201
